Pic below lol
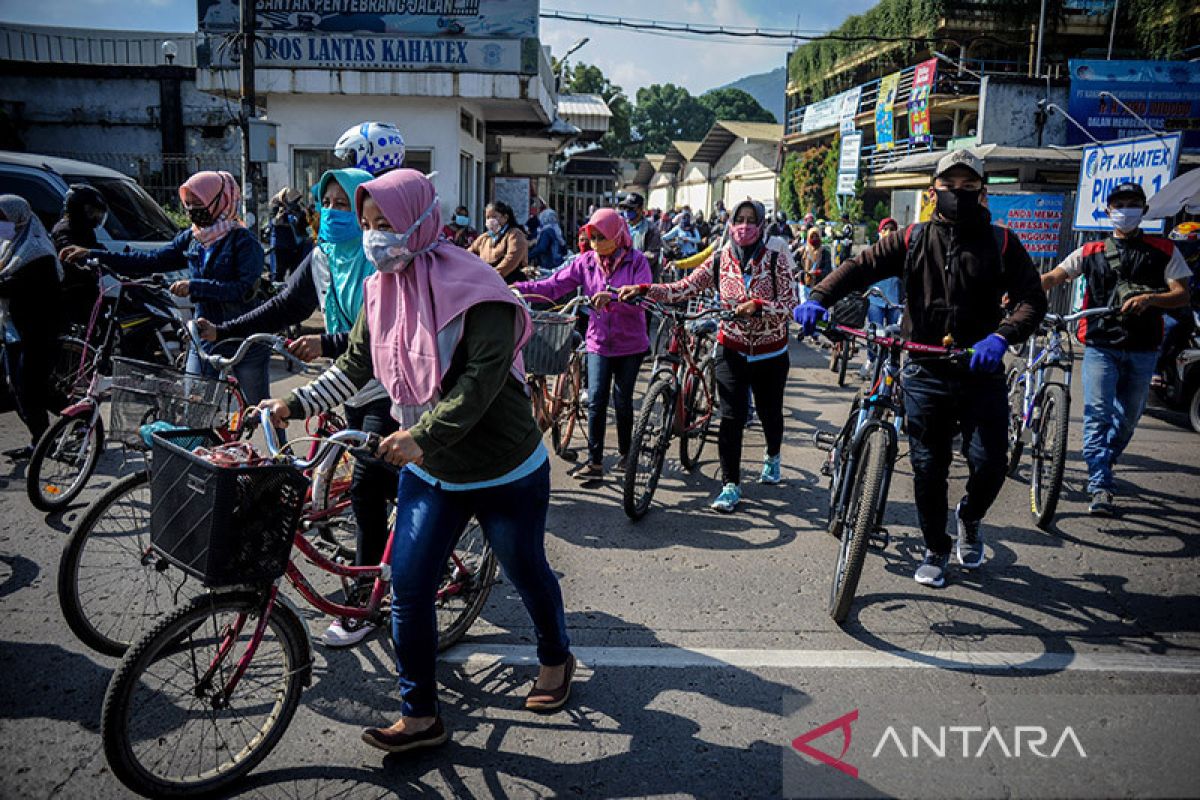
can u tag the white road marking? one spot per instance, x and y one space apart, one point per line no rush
984 661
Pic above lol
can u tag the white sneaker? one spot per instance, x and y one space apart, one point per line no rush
347 632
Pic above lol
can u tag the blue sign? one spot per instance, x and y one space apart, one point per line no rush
1036 219
1149 161
1164 93
379 53
501 19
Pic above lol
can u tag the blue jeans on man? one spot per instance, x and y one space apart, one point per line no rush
1116 384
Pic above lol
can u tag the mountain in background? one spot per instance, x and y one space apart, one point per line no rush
767 88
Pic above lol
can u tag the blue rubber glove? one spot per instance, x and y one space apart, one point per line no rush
808 315
988 355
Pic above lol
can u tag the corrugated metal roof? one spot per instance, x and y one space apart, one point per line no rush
583 104
678 154
754 131
50 45
723 133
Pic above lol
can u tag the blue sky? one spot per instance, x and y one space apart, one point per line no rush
631 60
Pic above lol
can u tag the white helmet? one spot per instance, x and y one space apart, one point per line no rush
374 146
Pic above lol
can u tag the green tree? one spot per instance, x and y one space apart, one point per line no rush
789 193
810 179
588 79
665 113
735 105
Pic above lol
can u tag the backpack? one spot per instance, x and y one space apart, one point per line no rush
1125 288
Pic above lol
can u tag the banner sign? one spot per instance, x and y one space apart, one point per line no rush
849 109
848 162
822 114
1036 219
358 52
885 136
1149 161
918 100
493 19
1090 7
1164 93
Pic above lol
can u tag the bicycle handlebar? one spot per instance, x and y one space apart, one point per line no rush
360 444
875 292
723 314
1061 321
894 341
224 363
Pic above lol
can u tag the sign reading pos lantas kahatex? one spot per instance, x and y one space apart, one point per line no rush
437 35
1149 161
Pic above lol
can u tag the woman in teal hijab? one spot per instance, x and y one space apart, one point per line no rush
331 279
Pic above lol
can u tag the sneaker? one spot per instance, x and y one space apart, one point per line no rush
727 500
347 632
932 571
1102 504
770 470
970 541
620 467
392 741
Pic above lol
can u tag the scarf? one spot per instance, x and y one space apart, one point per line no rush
348 265
220 194
415 315
548 221
612 225
31 241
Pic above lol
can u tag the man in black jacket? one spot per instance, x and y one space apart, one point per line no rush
956 269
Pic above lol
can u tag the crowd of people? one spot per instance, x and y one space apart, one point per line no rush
425 333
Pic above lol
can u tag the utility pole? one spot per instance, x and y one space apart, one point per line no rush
1112 32
1037 62
249 168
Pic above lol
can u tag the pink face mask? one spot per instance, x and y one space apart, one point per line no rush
744 234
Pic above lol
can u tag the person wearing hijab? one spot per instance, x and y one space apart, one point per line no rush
616 335
443 334
550 247
30 314
290 239
459 230
331 280
502 244
84 212
225 265
686 234
753 276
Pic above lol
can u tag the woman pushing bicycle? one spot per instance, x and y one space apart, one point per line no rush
443 333
753 275
616 337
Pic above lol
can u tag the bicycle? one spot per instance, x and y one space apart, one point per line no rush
1039 396
552 352
861 458
206 694
112 584
679 402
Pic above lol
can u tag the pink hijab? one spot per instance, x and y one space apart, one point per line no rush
409 311
612 225
220 193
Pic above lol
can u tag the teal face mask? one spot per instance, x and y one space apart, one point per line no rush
462 221
338 226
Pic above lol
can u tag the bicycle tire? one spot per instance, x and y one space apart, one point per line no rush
648 448
565 404
176 634
691 442
1049 455
864 510
52 496
843 364
482 582
72 368
835 353
1016 401
339 531
836 511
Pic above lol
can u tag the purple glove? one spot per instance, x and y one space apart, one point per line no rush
988 354
808 315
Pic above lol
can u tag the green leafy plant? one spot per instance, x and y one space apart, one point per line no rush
789 192
735 105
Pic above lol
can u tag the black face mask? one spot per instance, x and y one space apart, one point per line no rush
958 205
200 216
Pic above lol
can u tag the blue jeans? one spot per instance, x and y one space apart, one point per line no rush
253 374
603 373
429 521
882 318
1116 384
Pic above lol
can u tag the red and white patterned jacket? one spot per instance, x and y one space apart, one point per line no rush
770 287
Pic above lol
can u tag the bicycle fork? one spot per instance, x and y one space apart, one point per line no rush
229 637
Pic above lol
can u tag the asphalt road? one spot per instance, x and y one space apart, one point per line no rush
707 650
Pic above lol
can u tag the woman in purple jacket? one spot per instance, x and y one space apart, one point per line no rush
616 338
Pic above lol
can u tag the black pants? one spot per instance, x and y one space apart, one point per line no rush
737 379
372 486
941 400
29 365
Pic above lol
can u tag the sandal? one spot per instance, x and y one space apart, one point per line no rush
588 472
545 700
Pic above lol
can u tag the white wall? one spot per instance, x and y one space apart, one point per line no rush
693 190
748 171
661 192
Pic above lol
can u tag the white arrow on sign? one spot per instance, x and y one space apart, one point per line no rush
1149 161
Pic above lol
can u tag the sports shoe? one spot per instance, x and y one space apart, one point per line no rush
970 541
727 500
770 470
621 464
932 571
1102 504
347 632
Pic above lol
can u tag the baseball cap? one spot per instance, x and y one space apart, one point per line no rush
959 158
632 200
1128 188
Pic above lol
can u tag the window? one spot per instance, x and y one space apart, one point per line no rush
466 176
44 199
467 123
132 214
420 160
310 163
479 129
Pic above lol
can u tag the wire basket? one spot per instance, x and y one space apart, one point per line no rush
548 350
143 393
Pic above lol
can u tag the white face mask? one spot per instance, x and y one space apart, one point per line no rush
389 251
8 231
1125 220
492 225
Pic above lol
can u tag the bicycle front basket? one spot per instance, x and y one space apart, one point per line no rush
548 350
143 393
223 525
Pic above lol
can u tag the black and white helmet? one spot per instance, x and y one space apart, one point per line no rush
374 146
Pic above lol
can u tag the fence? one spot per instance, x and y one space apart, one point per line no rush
158 174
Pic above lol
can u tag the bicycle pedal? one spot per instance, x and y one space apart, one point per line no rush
880 539
823 439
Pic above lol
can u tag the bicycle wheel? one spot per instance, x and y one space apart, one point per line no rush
1049 454
651 438
466 583
63 461
1016 421
167 726
111 585
843 363
862 514
835 354
694 436
72 368
565 408
335 525
837 456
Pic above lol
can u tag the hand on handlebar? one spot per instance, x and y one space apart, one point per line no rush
278 410
399 449
808 315
627 293
181 288
206 330
306 348
988 354
73 254
746 309
602 299
1138 304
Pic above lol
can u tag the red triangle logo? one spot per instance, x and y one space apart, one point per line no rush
843 723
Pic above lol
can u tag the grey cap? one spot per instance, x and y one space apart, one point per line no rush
959 158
